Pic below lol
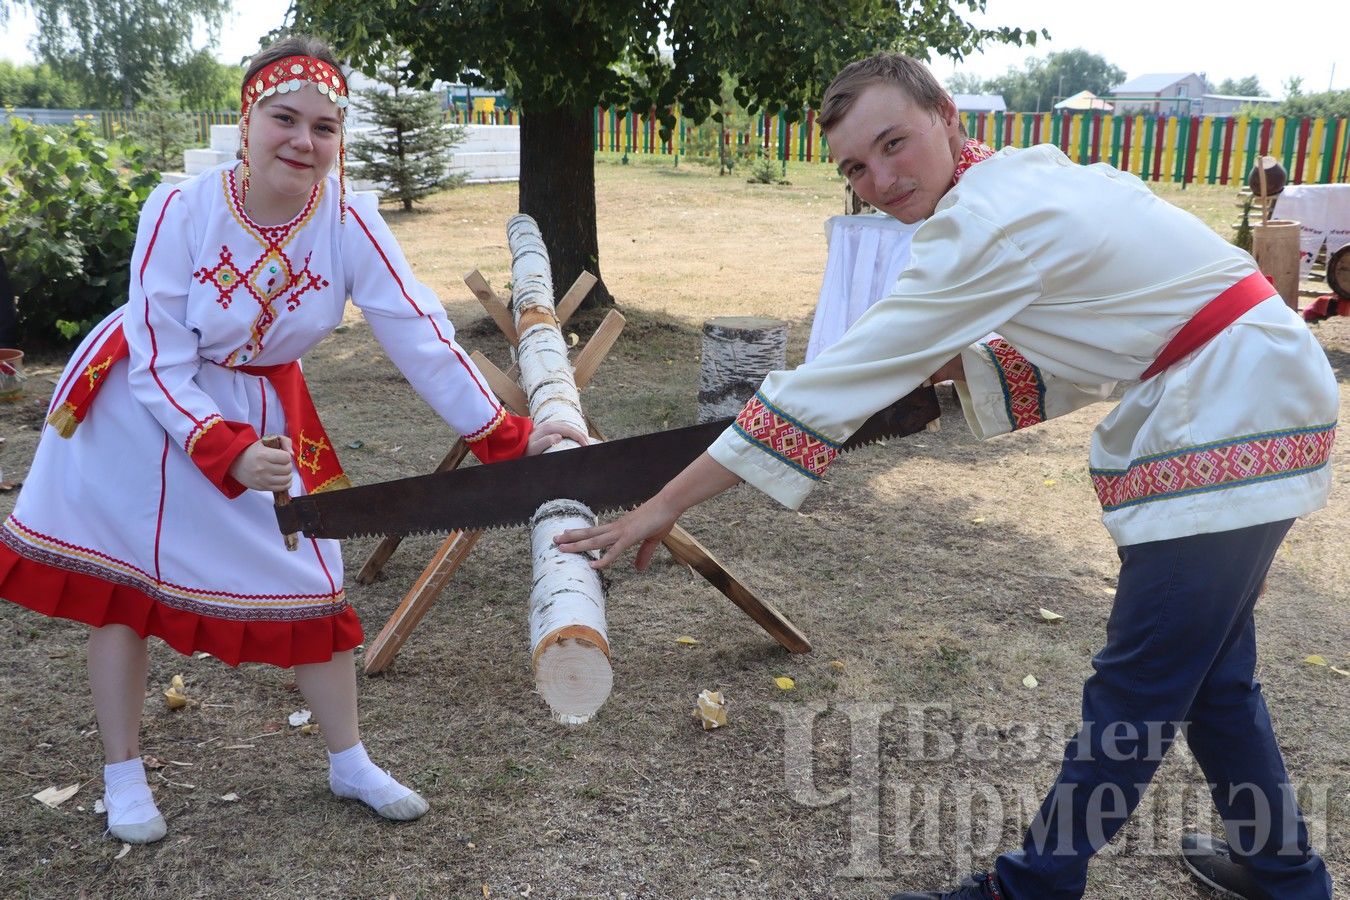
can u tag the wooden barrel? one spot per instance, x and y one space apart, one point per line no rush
1275 246
738 351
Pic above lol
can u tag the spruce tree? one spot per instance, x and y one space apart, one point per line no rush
407 153
160 125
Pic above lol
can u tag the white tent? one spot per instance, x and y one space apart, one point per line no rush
1084 100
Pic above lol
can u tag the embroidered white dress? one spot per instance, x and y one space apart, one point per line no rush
133 519
1086 275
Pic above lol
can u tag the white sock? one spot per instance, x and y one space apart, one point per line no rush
353 776
126 795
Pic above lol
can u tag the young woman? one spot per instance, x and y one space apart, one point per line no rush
149 506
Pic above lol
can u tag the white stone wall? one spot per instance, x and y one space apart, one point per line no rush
488 153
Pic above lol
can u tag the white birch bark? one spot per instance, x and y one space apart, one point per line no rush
568 639
738 352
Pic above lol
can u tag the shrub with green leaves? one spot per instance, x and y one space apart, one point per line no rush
69 204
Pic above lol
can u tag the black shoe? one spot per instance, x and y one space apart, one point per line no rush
1210 861
981 886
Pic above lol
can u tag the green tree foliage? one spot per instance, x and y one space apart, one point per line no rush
408 150
559 58
1041 83
38 86
1327 104
108 46
69 205
966 83
208 85
714 142
1241 87
160 125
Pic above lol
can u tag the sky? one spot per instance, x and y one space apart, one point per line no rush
1229 39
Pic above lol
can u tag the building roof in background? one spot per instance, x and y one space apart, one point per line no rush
1239 98
980 102
1152 83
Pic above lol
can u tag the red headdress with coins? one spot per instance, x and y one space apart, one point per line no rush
294 73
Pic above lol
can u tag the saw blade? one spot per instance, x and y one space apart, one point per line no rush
607 477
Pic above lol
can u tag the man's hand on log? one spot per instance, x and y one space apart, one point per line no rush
648 525
549 433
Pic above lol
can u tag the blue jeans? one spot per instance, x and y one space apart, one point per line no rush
1180 653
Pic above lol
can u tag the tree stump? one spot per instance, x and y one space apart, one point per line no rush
738 351
1275 247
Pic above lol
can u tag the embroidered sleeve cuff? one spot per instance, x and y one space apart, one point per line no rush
1002 392
506 437
773 451
214 445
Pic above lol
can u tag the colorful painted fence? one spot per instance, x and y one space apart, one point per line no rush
1194 149
456 115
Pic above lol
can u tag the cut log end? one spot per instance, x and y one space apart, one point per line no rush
574 677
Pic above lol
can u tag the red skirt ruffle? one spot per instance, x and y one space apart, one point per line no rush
95 601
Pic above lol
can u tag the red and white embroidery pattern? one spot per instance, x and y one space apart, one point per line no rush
1023 389
783 437
1210 467
971 153
271 276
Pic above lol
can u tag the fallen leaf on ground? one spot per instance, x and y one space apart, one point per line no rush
152 762
1315 660
126 848
838 665
176 696
310 728
1049 616
55 796
712 709
686 639
1030 681
299 717
784 683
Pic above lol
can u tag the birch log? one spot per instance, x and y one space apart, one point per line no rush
738 351
569 646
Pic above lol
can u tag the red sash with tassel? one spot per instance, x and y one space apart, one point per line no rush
315 457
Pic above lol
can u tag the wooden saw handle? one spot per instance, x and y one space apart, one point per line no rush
281 498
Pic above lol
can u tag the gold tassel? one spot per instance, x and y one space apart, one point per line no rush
63 420
336 483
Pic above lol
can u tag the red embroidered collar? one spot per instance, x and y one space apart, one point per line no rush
971 152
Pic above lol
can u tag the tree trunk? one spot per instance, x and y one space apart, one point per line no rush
557 190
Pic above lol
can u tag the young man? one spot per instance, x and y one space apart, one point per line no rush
1220 440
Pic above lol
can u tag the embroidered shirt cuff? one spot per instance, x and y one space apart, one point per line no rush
215 446
507 437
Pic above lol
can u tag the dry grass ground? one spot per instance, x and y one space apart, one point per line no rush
917 571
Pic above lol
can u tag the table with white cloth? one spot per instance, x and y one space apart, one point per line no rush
1323 214
867 254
